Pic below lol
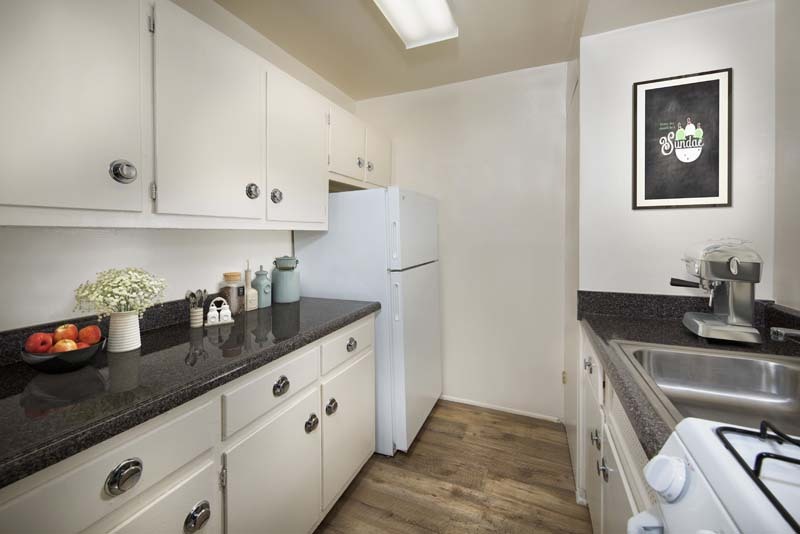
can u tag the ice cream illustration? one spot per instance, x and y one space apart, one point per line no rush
686 142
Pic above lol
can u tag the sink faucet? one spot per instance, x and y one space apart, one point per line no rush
781 334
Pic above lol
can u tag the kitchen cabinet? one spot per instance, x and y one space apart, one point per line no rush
348 437
346 144
189 506
273 475
592 434
71 103
279 467
379 158
297 148
618 505
610 471
210 105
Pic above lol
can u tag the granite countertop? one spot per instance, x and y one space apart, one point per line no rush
46 418
653 428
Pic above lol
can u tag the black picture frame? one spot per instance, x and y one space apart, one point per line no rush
660 183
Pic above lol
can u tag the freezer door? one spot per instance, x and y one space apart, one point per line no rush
412 226
416 349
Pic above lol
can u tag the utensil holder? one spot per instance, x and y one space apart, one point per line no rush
195 317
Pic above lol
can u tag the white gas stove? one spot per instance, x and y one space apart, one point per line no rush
718 478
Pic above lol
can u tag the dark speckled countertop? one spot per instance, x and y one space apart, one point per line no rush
661 324
46 418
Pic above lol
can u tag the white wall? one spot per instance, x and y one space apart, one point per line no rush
787 153
571 260
41 267
492 151
638 251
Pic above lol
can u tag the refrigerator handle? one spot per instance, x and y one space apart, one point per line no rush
394 240
396 301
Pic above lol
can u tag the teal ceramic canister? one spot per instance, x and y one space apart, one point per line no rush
285 280
263 286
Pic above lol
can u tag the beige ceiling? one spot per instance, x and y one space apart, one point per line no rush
607 15
351 44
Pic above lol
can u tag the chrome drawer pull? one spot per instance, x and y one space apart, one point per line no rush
197 518
281 386
312 423
124 476
331 407
352 344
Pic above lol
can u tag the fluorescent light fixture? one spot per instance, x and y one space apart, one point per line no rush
419 22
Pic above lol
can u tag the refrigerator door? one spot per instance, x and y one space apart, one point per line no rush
416 349
413 233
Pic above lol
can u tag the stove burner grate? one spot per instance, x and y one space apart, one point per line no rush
755 472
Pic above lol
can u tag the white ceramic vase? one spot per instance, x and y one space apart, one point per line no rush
123 332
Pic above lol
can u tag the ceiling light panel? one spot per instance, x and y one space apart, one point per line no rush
419 22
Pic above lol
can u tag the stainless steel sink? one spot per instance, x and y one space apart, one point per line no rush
733 387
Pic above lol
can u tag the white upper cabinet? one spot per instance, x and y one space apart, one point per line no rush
70 103
379 159
210 134
347 140
297 149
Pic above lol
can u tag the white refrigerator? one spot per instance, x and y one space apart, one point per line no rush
382 245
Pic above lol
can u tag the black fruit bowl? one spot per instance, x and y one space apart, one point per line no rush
62 362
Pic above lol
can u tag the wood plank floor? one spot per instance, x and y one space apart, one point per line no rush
470 470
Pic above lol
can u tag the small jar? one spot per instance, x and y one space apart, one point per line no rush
232 291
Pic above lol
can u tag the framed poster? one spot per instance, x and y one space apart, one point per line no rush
682 141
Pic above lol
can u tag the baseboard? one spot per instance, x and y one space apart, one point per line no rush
580 497
501 408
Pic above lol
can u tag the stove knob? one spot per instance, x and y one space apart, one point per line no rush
666 475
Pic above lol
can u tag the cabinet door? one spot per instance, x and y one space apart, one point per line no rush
169 511
210 129
346 149
297 150
70 102
348 426
593 429
618 504
379 159
274 474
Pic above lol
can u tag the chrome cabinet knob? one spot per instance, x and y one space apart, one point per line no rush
281 386
124 476
352 344
594 436
360 162
312 423
370 166
587 364
331 407
197 518
252 191
123 171
276 195
603 469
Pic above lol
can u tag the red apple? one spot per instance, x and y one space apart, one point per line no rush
38 343
65 345
66 331
83 345
90 334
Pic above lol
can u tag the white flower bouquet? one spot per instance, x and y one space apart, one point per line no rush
120 290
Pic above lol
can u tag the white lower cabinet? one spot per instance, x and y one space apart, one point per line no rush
348 437
278 468
612 457
618 504
189 506
273 475
593 427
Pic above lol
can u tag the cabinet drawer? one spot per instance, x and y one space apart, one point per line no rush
253 399
343 347
80 496
168 512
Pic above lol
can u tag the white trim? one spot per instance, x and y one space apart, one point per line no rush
580 497
500 408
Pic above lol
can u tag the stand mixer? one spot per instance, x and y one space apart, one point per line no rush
728 269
